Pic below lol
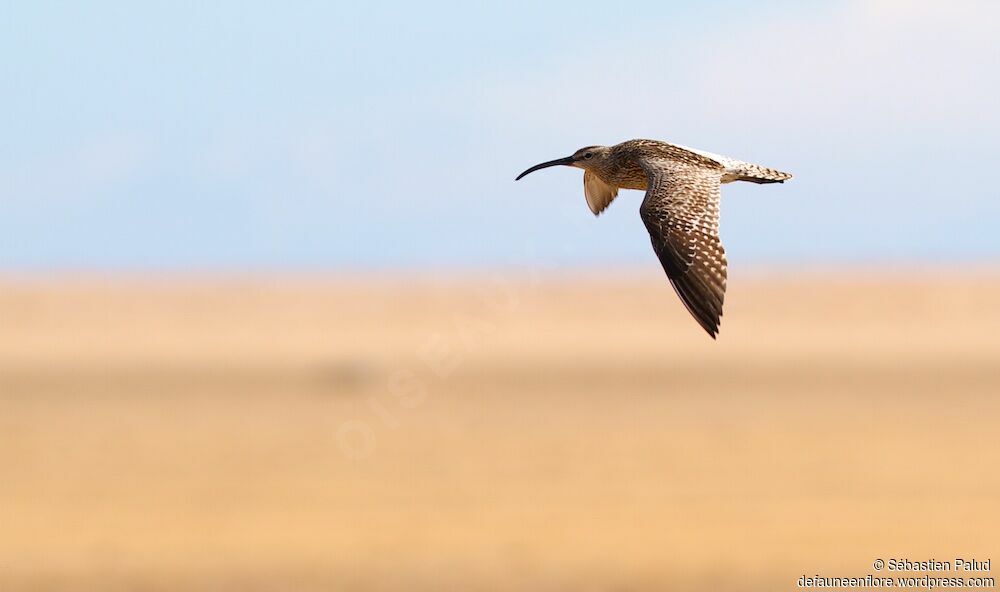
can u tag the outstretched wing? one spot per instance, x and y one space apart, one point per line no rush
681 212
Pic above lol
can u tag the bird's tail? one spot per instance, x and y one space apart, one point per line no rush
757 174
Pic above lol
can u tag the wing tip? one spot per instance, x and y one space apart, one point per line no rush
707 316
711 326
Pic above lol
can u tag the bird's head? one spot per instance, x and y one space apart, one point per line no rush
590 157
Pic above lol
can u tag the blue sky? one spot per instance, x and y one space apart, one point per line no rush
325 135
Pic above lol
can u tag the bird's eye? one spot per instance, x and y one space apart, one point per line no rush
588 155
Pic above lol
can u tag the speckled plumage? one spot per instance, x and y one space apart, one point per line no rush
680 210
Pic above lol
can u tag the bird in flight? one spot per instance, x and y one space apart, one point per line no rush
680 210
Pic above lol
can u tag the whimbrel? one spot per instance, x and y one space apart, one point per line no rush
680 210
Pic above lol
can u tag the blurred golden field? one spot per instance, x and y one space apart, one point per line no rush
493 432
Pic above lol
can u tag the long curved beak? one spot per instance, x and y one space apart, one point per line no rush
559 161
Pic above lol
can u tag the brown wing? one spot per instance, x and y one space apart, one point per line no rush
681 212
598 193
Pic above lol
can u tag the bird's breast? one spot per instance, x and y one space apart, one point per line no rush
633 183
628 176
